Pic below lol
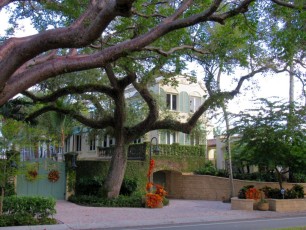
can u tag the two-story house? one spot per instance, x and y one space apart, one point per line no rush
180 101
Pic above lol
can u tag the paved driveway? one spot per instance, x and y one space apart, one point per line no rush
179 211
74 216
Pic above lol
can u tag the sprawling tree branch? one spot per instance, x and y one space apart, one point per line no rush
153 114
92 123
289 5
71 90
174 49
11 59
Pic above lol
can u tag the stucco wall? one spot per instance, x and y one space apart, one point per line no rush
182 186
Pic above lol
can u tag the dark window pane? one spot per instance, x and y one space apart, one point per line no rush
173 102
168 101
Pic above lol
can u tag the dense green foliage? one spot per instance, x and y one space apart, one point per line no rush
39 207
267 176
90 175
93 186
273 138
181 150
135 200
296 192
27 211
132 43
209 169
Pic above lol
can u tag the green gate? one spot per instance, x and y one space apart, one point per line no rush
42 177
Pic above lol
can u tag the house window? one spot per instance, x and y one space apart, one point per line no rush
172 101
171 138
78 142
195 103
194 139
105 141
92 144
137 141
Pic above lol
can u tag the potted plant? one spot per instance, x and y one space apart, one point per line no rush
263 205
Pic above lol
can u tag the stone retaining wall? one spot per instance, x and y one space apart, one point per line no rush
203 187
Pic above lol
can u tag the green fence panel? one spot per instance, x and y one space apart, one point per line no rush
42 186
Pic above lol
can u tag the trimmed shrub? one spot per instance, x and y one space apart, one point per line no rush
122 201
20 211
93 186
296 192
90 186
37 207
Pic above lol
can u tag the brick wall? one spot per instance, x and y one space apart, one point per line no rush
202 187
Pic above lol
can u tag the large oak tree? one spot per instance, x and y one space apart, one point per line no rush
130 43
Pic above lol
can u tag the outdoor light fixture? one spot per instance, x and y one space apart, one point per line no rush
155 148
283 193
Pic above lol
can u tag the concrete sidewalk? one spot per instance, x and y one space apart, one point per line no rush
73 216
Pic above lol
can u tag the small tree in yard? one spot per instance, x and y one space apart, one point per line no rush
268 142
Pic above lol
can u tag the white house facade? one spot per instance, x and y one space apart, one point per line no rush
180 101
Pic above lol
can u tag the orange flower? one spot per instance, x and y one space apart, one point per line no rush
252 193
160 190
149 186
153 200
151 167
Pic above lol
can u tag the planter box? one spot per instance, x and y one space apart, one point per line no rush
242 204
277 205
287 205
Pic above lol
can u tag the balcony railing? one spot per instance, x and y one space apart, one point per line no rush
139 151
135 152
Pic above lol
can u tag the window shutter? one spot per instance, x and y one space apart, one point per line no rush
184 102
163 97
162 136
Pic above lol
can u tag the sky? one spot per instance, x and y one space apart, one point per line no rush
273 86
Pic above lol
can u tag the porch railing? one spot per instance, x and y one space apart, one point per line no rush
139 151
135 152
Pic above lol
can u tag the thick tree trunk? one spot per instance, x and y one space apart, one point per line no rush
116 171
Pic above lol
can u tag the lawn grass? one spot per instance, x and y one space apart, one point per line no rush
290 228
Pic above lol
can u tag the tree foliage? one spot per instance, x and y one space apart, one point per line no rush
266 139
89 54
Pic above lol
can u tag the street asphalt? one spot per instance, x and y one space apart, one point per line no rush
72 216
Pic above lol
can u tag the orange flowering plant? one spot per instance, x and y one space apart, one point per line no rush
151 167
154 199
252 193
